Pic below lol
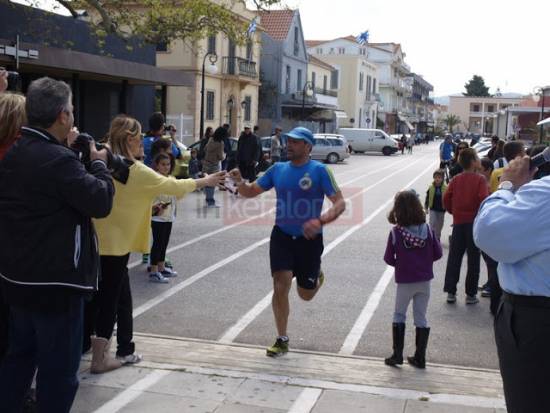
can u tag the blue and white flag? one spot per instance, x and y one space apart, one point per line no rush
251 27
363 38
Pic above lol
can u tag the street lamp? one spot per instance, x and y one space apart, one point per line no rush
538 93
306 91
212 69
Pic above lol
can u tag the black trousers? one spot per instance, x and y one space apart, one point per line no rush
247 170
522 334
112 303
462 240
161 237
492 282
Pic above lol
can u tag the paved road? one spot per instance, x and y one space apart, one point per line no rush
223 289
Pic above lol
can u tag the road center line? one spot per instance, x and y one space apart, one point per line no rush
231 334
236 224
184 284
305 401
133 392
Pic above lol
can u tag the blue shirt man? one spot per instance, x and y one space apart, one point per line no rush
512 228
296 243
446 150
148 143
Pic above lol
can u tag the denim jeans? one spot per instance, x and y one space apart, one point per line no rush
51 342
209 192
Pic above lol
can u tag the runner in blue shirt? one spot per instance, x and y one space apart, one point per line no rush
296 242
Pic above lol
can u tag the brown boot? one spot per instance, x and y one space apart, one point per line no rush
102 362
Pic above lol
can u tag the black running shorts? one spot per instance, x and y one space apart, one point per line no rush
296 254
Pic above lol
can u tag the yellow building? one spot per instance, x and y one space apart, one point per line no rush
231 91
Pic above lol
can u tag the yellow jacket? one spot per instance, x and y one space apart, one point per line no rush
495 179
128 226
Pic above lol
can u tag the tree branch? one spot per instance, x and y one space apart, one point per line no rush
68 6
106 20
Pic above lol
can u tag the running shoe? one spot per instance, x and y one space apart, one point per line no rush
472 299
130 358
278 349
157 277
486 292
169 273
451 298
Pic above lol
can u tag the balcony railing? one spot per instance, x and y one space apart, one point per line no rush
326 92
237 66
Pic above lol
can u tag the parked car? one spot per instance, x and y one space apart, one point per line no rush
330 148
369 140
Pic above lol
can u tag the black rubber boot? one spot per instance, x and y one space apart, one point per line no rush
398 332
419 359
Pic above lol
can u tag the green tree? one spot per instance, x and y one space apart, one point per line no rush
157 21
451 121
476 87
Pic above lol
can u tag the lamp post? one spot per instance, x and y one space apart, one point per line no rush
538 93
212 69
307 90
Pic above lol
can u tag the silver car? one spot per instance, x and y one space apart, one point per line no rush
331 148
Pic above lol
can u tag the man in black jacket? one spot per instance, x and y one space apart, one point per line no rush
49 258
247 154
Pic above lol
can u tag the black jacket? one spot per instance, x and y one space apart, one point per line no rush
248 148
48 244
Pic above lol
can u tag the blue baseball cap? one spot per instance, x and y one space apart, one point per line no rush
301 133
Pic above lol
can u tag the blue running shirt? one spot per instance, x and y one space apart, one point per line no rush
300 190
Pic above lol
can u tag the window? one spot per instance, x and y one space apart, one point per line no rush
504 106
162 46
321 142
341 50
374 85
360 113
361 80
319 50
490 108
336 141
476 107
334 79
299 79
369 85
331 51
325 82
379 135
363 51
212 44
296 42
287 80
248 108
313 79
210 98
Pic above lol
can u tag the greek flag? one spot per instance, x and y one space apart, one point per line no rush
363 38
251 27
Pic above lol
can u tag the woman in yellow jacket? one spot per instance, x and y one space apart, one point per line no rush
126 230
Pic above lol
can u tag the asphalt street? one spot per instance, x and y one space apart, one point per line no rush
223 290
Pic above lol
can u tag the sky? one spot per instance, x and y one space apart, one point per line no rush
447 41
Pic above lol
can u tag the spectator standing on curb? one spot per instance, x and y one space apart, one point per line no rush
276 145
156 131
511 227
434 202
47 199
212 160
247 154
465 193
296 242
412 249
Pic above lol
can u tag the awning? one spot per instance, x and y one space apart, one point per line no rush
405 121
544 122
340 114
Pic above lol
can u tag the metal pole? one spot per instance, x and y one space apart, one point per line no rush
201 129
542 116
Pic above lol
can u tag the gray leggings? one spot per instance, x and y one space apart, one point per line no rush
419 293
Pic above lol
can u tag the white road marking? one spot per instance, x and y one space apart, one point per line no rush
272 210
133 392
354 336
305 401
231 334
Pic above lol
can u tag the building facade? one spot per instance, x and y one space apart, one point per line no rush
478 114
354 78
284 71
324 95
421 104
231 89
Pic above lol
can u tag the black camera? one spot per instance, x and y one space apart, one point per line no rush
118 165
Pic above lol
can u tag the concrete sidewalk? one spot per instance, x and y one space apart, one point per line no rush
187 375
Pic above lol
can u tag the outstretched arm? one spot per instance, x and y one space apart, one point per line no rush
247 190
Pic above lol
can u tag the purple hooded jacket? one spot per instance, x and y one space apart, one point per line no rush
412 251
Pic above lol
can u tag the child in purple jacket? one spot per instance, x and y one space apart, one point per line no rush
412 249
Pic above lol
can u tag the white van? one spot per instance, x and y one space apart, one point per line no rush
369 140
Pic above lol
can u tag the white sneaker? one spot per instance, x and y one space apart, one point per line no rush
157 277
472 299
168 273
130 358
451 298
